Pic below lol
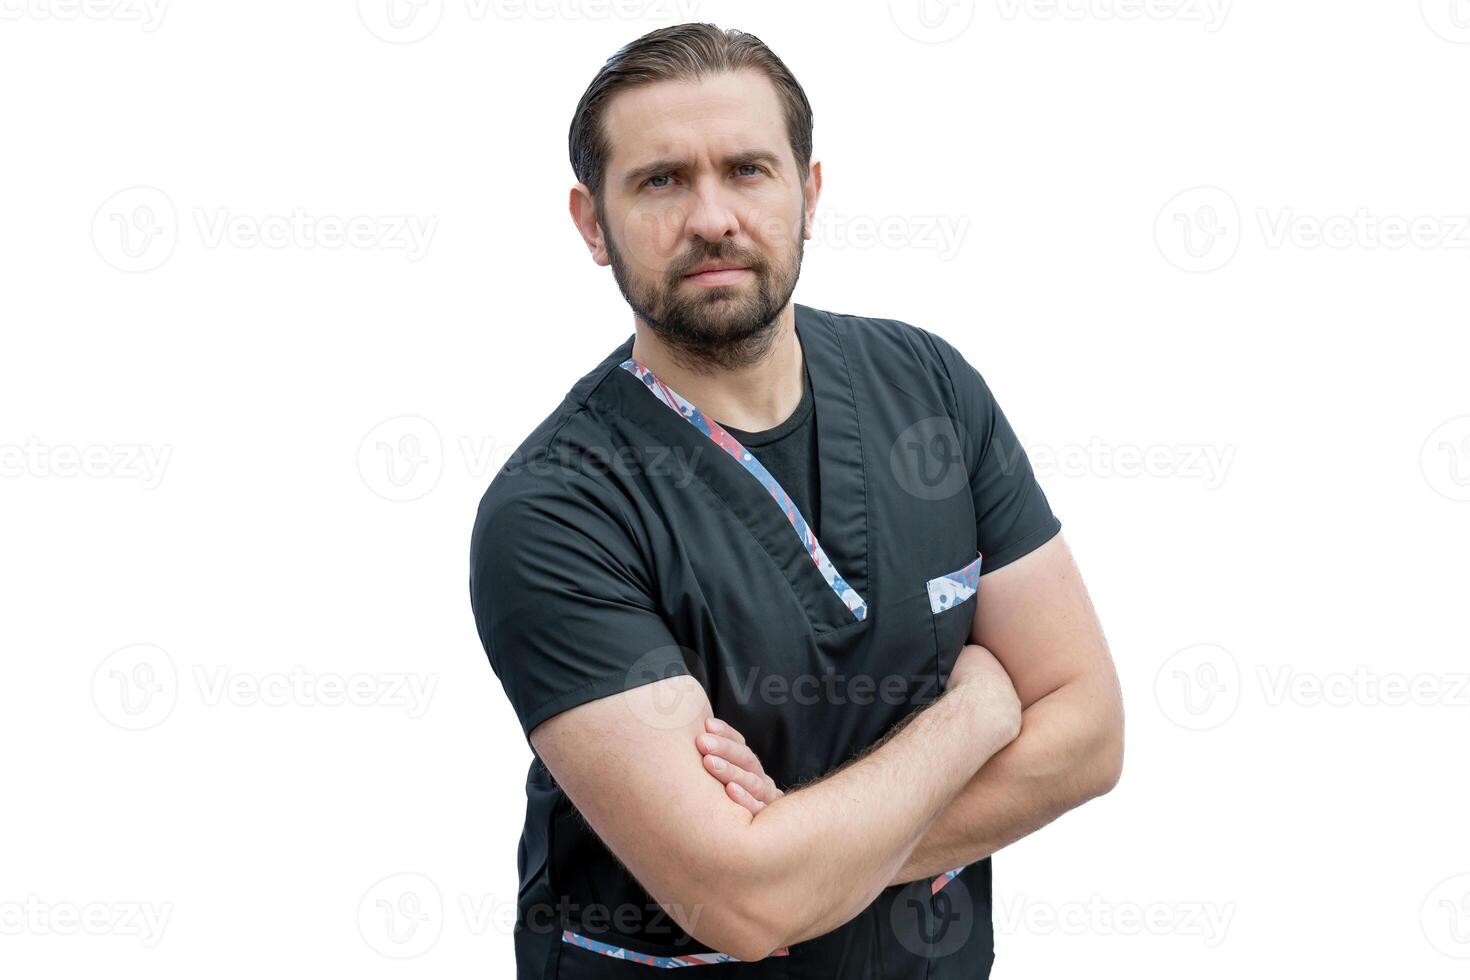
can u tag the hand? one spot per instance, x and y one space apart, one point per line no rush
730 760
977 666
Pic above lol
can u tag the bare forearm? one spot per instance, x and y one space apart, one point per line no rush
1069 751
829 848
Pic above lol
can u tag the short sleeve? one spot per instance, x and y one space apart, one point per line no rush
1012 515
562 601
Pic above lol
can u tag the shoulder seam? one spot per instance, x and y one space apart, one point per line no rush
581 405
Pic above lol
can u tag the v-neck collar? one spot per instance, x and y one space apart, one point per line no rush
840 564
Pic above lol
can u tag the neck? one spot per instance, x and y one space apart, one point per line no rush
750 397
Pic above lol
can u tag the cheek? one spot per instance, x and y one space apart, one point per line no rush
650 239
774 228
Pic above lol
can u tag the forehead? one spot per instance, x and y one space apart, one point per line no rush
687 117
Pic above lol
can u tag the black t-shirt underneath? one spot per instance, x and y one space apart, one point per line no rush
789 452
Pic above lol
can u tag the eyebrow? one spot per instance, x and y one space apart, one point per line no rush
638 175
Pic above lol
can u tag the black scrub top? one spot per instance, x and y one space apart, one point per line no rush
630 539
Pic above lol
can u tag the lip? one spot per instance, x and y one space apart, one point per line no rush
718 275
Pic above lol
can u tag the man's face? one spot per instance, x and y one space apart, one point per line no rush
702 173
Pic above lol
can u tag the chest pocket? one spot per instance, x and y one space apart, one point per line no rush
952 600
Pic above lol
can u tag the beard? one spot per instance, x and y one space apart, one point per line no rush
712 327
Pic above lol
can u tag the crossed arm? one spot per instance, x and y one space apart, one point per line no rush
1035 616
963 777
745 883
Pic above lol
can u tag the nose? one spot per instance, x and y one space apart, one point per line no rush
712 214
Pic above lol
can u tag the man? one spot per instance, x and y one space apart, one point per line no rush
785 616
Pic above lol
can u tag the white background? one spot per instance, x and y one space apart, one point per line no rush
239 475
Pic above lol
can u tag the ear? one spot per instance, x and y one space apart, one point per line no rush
813 191
584 216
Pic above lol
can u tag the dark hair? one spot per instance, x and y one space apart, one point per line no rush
683 51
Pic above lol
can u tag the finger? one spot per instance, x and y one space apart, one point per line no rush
760 787
744 799
732 752
724 772
738 793
718 727
720 769
750 782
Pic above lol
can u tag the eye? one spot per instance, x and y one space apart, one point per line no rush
656 182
